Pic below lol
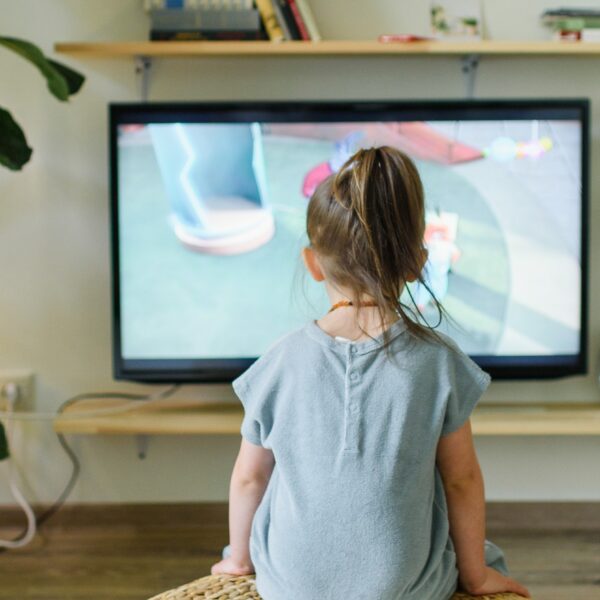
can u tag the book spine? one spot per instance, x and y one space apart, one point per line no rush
204 19
299 21
573 23
150 5
265 8
309 20
571 13
185 36
287 34
288 17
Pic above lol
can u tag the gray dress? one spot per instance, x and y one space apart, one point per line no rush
355 507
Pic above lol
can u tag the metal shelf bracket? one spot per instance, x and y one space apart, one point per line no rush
142 442
143 70
470 62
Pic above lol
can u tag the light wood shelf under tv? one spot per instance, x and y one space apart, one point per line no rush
323 48
177 417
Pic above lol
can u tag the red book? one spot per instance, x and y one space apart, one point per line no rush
299 20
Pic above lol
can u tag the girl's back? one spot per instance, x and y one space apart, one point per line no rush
337 491
355 507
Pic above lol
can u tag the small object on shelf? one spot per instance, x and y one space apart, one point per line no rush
150 5
178 20
235 35
590 34
187 24
267 14
304 35
403 38
287 33
562 13
574 24
571 22
287 16
309 20
567 35
456 20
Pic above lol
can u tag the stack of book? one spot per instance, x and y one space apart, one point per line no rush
276 20
574 24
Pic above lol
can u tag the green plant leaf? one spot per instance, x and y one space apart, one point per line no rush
61 80
14 151
4 451
73 78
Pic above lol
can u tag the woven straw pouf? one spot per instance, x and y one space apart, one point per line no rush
227 587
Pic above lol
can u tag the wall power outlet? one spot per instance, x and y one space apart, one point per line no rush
23 379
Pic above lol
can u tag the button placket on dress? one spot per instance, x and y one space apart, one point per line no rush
351 401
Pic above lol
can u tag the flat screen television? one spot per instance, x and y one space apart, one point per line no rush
208 220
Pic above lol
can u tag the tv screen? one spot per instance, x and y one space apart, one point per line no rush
208 221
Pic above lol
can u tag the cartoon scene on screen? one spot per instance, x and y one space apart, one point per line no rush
212 221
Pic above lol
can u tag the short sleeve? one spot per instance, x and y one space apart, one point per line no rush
255 388
467 382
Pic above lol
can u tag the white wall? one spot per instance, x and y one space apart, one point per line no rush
54 292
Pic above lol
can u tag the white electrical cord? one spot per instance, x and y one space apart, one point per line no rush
11 392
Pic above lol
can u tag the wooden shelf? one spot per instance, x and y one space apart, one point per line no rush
180 417
537 420
323 48
167 417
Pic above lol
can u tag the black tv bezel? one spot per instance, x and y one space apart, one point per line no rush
226 369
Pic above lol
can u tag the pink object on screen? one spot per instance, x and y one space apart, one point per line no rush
314 178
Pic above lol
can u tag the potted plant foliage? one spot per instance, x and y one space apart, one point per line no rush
14 151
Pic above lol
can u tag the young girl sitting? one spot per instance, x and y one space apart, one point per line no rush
357 477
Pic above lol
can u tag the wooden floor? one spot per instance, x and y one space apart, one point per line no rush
132 553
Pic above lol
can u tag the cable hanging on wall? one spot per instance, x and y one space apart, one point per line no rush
10 393
10 416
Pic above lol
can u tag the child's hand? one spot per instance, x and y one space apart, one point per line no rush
496 583
228 566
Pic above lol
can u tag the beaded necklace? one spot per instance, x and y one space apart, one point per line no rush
349 303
